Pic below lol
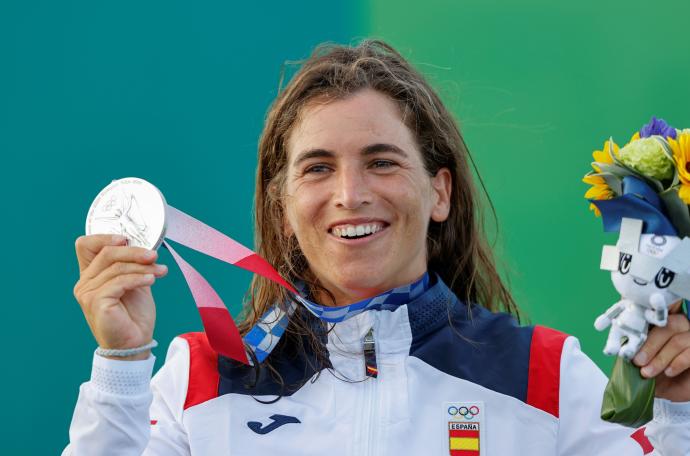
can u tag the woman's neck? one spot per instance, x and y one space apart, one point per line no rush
331 295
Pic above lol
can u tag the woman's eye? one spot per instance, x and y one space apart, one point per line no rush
316 169
382 164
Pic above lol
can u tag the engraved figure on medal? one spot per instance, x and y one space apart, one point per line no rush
124 216
131 207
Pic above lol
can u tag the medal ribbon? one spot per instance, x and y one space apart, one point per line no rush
264 336
222 333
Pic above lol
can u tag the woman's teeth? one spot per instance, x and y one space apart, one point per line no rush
350 231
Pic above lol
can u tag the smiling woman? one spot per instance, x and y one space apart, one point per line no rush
351 109
370 176
364 200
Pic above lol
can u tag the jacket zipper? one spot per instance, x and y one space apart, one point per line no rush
371 385
370 367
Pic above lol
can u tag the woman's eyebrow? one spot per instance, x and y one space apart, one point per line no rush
371 149
313 153
383 147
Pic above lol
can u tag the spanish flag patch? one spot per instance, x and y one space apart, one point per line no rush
464 438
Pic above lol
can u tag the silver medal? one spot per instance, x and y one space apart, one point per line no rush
131 207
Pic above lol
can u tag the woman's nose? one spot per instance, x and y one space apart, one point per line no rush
352 189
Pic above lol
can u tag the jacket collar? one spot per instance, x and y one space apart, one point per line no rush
393 328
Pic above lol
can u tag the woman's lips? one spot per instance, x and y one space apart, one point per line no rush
351 230
352 241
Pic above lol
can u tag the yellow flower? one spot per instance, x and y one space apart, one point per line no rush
603 156
599 190
681 155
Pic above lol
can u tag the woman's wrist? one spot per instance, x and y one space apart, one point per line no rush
138 357
128 354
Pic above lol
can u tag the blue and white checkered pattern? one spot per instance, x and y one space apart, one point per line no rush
390 300
264 336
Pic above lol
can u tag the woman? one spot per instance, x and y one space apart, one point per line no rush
363 186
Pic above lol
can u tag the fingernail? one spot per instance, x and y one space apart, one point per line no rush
161 268
117 239
647 371
150 254
669 372
641 359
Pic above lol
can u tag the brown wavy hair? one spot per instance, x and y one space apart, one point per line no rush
457 248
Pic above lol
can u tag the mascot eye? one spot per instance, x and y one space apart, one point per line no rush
624 263
664 278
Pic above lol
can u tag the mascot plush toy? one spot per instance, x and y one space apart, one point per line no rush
648 267
641 191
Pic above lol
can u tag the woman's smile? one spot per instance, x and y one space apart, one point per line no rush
357 231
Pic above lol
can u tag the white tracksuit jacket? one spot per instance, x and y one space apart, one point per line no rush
448 383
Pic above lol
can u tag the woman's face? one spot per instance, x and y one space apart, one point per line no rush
358 198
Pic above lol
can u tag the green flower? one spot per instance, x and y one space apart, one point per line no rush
647 157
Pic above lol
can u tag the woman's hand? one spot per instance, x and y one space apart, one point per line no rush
114 291
666 356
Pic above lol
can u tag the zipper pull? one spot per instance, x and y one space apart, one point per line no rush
370 368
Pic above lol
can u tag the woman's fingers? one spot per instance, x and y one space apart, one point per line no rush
680 364
674 347
88 246
664 345
121 268
113 254
118 286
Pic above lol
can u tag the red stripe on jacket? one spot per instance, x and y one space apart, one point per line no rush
203 370
642 440
544 381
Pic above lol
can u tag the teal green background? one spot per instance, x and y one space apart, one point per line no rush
175 92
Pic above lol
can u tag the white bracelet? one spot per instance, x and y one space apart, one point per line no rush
127 351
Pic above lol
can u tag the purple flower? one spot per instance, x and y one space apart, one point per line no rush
657 127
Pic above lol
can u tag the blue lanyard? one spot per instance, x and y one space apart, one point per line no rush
264 336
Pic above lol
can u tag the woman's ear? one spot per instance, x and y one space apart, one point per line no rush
442 184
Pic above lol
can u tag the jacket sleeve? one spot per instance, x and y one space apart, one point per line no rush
122 411
583 432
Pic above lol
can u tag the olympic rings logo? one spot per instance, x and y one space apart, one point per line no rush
466 412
